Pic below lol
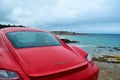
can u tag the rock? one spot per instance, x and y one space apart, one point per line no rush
69 41
110 50
101 59
112 60
101 47
108 58
117 48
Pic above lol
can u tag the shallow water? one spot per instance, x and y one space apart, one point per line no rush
97 44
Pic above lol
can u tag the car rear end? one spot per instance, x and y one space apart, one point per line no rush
63 63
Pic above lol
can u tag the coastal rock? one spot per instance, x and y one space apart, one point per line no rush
117 48
111 60
69 41
101 47
101 59
108 58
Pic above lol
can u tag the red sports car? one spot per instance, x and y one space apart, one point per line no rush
31 54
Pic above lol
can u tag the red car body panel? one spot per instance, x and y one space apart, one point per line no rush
62 62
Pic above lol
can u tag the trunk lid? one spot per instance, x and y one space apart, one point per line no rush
43 61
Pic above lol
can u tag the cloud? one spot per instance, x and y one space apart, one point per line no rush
5 12
54 13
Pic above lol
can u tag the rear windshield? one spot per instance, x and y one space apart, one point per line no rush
27 39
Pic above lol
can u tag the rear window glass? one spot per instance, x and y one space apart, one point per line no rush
27 39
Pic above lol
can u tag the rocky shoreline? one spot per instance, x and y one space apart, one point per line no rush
107 54
110 48
111 58
107 58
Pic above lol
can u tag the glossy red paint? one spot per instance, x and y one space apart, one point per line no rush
64 62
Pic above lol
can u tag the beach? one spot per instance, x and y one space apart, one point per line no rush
104 50
108 71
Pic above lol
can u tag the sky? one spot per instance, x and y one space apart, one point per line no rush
84 16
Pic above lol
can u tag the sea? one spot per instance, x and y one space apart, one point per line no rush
96 44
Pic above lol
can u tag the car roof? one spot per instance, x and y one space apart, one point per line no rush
12 29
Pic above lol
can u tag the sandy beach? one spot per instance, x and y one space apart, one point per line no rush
108 71
109 67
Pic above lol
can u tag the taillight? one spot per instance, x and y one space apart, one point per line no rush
8 75
89 57
90 60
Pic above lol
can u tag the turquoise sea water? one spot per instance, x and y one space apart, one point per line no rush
97 43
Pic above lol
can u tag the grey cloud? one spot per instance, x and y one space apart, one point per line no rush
54 13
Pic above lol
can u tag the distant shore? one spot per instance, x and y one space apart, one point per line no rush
67 33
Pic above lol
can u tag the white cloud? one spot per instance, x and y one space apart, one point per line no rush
58 12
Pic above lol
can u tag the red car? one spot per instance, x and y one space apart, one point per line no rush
31 54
